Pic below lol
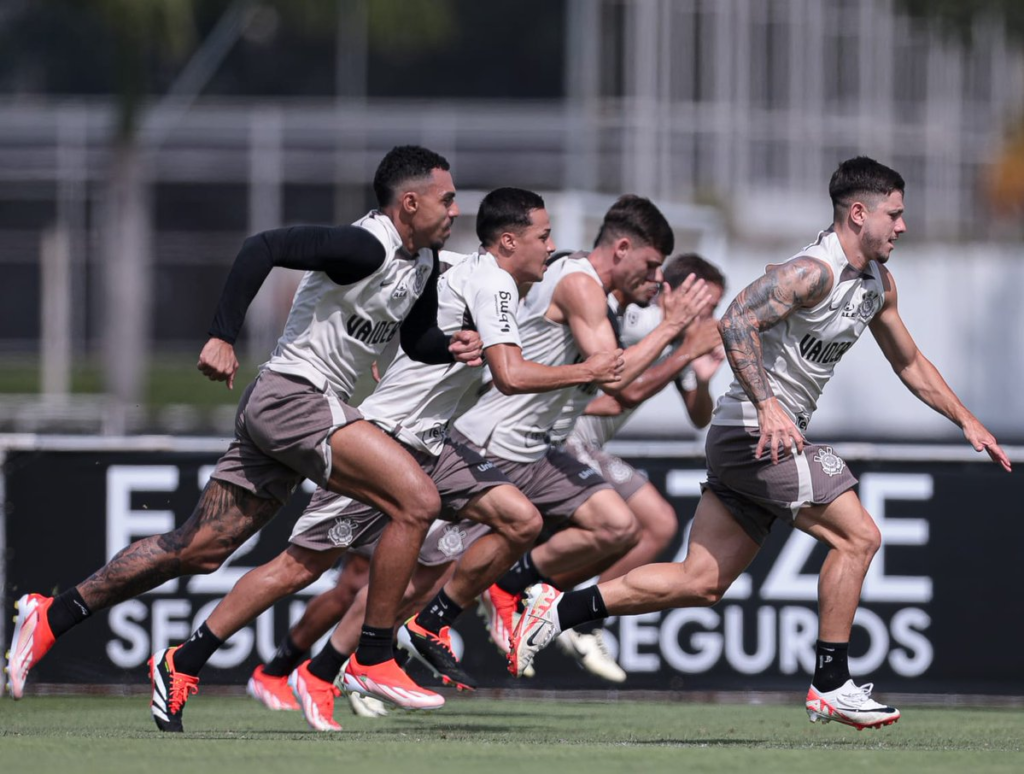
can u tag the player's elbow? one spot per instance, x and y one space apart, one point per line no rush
626 398
508 384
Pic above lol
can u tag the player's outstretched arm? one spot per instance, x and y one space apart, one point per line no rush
346 253
921 376
699 338
513 374
802 282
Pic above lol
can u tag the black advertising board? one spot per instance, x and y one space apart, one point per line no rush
940 610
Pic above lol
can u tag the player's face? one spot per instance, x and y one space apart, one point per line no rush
638 274
533 248
883 225
436 210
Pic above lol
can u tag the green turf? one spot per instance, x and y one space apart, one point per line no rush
229 735
169 379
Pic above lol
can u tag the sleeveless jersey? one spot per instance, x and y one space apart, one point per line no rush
518 427
334 332
800 353
415 401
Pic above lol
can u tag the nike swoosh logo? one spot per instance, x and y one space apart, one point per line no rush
387 282
531 640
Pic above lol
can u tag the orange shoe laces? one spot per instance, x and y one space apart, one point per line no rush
182 686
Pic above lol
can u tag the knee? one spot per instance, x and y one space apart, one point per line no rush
621 532
419 508
197 557
707 589
522 524
867 539
660 527
292 571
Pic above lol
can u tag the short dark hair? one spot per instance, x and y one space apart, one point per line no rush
504 209
402 164
682 266
638 218
859 176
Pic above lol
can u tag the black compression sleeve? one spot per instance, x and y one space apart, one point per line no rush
345 253
421 339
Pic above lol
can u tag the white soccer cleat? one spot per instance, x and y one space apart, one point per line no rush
536 627
591 652
366 706
851 705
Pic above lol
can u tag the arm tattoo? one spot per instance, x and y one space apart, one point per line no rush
225 517
767 301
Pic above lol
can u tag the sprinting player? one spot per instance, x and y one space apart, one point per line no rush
689 363
363 284
565 318
413 405
783 335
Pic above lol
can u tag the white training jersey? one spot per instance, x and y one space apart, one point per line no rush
518 427
800 353
415 401
335 332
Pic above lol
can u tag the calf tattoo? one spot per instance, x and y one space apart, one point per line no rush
225 517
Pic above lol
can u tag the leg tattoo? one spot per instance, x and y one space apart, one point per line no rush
225 517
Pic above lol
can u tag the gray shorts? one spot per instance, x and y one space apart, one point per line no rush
333 521
282 435
557 485
445 541
624 478
756 492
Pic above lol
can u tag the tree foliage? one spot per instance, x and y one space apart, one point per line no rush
958 17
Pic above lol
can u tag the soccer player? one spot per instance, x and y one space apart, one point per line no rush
363 284
689 363
565 318
783 335
413 404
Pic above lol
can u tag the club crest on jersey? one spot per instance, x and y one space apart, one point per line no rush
831 463
452 542
342 533
864 309
420 280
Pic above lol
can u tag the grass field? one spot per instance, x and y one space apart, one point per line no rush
74 735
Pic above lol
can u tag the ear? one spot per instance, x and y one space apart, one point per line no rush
622 247
507 240
858 213
410 202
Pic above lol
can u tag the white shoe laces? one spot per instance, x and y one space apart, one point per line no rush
601 645
859 695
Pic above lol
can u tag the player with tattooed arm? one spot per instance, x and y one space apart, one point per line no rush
783 335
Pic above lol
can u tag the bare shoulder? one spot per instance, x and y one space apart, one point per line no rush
577 296
810 278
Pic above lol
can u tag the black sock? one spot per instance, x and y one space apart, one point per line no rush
831 667
577 607
66 610
520 576
288 656
439 613
589 627
327 663
191 657
374 646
